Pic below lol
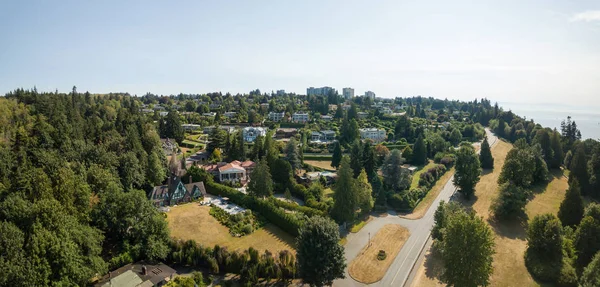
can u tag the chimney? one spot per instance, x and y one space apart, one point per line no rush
144 270
190 179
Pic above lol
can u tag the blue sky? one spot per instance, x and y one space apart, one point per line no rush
510 51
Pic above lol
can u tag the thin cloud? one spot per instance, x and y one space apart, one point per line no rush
587 16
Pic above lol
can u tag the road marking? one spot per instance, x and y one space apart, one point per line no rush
409 251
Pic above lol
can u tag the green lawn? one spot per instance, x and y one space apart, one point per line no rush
417 174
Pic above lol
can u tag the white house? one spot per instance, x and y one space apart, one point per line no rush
300 117
209 115
163 114
376 135
250 133
276 117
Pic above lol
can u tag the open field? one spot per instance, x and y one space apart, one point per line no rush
509 263
192 221
424 205
366 267
417 175
324 164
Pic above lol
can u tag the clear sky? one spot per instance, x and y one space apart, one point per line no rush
510 51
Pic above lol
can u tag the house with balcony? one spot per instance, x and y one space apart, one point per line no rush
250 133
234 171
300 117
376 135
276 117
326 136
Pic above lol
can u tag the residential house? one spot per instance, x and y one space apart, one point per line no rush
209 115
229 114
250 133
322 137
158 108
326 118
362 115
332 107
264 105
140 274
376 135
276 117
283 133
163 114
200 157
300 117
191 127
235 171
147 111
176 192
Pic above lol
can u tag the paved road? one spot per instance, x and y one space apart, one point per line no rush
402 267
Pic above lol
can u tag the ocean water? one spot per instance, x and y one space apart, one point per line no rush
550 115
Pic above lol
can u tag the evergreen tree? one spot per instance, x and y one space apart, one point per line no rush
336 158
485 155
369 160
579 169
292 154
257 148
500 128
594 169
365 193
557 152
586 238
407 154
353 112
510 202
396 177
591 273
271 151
241 147
542 137
261 184
468 170
345 194
356 158
420 152
216 139
156 171
468 250
173 127
571 208
320 256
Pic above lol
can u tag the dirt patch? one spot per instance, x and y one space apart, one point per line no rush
366 268
192 221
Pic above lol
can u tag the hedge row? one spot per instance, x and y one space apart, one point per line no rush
250 264
309 199
272 213
295 207
429 177
317 157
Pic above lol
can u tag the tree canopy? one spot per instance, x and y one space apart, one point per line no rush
468 170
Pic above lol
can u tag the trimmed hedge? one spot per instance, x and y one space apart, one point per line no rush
310 212
429 177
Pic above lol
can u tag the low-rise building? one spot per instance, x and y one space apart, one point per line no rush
209 114
322 136
229 114
176 192
234 171
376 135
326 118
250 133
362 115
276 117
163 114
285 133
140 274
300 117
191 127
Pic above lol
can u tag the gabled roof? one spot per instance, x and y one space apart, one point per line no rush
230 166
248 163
190 188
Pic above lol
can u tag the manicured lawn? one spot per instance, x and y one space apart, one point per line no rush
324 164
509 263
192 221
417 174
366 268
357 226
328 193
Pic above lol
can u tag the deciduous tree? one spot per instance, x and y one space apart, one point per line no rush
320 256
468 170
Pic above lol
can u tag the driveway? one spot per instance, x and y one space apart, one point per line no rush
401 268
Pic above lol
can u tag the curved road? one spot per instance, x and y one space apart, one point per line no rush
398 273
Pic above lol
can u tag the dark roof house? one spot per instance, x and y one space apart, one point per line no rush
140 274
176 192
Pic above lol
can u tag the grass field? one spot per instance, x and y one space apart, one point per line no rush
192 221
366 268
417 174
509 264
424 205
324 164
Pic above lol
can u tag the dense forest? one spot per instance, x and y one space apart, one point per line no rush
71 178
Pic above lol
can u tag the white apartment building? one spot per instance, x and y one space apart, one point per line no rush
300 117
376 135
276 117
348 93
370 94
250 133
323 91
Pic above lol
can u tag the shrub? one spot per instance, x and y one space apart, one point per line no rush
406 200
239 224
428 178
